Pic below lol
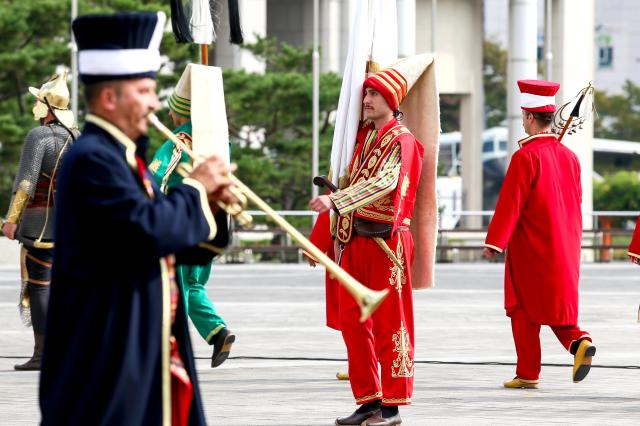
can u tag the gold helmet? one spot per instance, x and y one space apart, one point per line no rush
56 93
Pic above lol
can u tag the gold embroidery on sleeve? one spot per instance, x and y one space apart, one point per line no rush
405 185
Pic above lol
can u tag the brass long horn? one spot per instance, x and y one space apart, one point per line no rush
367 299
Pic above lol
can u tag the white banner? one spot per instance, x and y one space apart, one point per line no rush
208 113
374 36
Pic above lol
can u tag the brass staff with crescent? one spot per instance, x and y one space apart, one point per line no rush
580 112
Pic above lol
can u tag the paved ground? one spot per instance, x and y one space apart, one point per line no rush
284 363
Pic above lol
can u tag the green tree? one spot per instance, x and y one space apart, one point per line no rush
269 114
494 76
36 36
619 191
617 116
33 36
270 123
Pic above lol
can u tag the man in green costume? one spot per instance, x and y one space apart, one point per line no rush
192 278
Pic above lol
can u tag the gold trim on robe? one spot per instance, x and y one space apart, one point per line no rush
369 397
165 347
528 139
204 205
491 246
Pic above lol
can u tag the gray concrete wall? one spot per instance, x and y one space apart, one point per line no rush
291 21
458 49
253 18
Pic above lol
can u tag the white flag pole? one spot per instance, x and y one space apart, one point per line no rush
316 98
74 63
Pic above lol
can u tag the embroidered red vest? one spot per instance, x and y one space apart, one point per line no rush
396 207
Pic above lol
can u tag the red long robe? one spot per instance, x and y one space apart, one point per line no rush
321 237
634 247
538 220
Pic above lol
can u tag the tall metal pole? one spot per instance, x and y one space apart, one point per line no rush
548 56
316 96
74 63
434 12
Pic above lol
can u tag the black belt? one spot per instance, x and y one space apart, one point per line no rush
367 228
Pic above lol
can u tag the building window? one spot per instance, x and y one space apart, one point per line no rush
605 56
540 47
604 41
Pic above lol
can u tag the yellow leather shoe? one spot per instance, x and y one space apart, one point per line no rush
518 383
342 375
582 360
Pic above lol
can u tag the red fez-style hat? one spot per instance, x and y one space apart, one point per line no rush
395 82
390 84
538 95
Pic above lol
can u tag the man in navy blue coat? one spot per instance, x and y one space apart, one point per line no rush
117 348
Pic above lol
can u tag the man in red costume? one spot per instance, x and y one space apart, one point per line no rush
538 221
375 246
321 237
634 246
634 250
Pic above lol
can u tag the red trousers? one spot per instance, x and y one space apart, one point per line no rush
387 337
526 336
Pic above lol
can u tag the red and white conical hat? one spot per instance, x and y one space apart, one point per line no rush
538 95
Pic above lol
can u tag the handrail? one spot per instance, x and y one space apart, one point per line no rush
596 239
591 213
623 213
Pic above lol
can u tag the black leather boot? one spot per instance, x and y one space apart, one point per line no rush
34 363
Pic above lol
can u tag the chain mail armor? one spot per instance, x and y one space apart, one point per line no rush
40 160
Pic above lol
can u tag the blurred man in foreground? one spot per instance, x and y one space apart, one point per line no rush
117 347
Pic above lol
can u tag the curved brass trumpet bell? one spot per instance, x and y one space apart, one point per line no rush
236 210
367 299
